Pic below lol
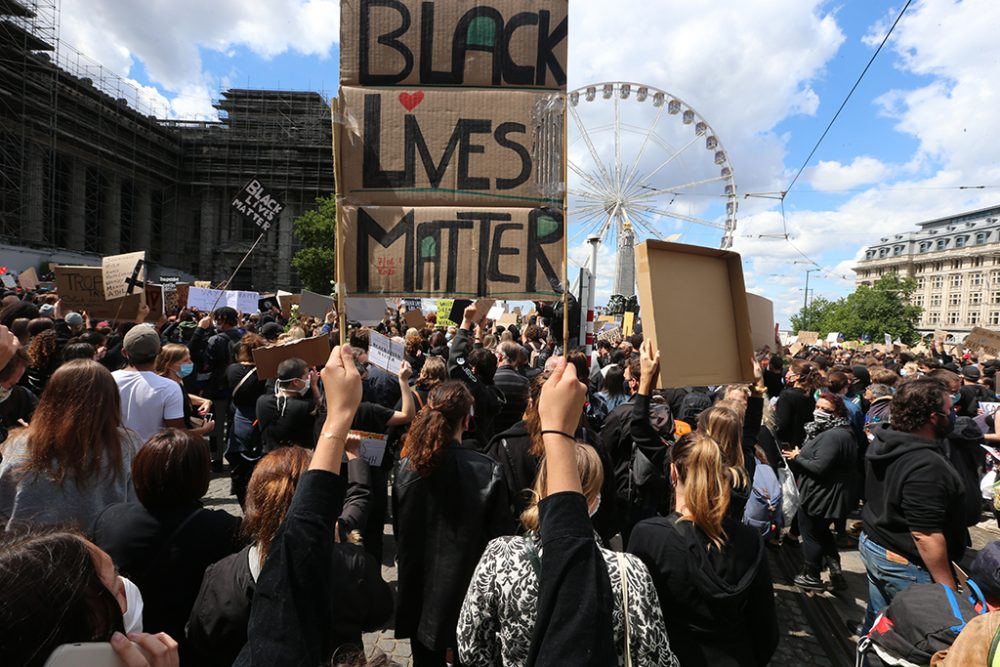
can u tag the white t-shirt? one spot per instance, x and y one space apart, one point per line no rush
148 400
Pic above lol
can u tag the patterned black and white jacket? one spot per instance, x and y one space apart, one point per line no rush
498 615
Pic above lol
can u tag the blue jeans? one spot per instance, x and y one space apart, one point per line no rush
886 577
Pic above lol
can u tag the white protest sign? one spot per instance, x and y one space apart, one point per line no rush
385 352
496 312
372 447
206 299
833 337
123 274
988 408
8 281
888 340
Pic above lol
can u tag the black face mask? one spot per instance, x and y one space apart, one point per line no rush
942 428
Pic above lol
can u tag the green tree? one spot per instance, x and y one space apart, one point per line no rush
883 308
316 230
812 317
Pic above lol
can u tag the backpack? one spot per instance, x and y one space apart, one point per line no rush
763 509
920 621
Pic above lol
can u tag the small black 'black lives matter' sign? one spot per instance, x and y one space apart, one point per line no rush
258 204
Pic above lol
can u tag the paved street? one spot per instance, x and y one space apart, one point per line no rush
814 627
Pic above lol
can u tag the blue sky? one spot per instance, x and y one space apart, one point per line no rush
767 76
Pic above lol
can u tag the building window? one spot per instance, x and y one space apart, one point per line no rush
921 267
932 318
995 317
937 282
952 318
981 237
995 297
956 263
883 252
977 261
935 300
976 280
955 280
939 266
975 298
870 254
925 246
974 318
954 299
921 282
898 250
942 244
918 300
960 241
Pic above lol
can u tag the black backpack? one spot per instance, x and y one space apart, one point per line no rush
920 621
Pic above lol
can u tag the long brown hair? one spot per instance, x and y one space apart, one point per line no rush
433 373
532 422
248 344
434 427
725 426
74 431
588 463
170 354
698 461
270 492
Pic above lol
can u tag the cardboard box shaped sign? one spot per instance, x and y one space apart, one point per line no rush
507 253
761 322
704 288
81 289
983 339
520 43
314 351
441 147
807 337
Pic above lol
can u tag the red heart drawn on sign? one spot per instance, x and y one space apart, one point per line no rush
411 100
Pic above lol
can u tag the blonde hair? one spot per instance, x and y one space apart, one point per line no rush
698 461
170 354
725 426
588 463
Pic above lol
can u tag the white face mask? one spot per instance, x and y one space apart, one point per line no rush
132 617
597 505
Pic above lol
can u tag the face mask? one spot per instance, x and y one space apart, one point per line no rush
305 388
597 505
944 430
132 617
956 397
5 393
821 416
185 370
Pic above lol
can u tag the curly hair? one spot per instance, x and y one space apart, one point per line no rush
434 427
914 403
839 409
43 349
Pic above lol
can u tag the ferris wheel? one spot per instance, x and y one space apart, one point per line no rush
644 164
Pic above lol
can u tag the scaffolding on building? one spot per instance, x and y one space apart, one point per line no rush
90 163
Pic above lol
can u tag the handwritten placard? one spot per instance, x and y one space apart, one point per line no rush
123 274
385 352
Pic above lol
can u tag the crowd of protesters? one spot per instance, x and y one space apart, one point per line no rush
548 507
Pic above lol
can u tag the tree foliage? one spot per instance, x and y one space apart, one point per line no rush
883 308
316 230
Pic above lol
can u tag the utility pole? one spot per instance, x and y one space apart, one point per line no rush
805 295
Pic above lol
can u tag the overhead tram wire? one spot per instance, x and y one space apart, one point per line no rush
805 163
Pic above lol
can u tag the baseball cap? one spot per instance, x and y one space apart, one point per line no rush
47 310
985 570
971 372
74 319
142 341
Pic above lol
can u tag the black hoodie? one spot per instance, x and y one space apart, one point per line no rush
911 486
718 606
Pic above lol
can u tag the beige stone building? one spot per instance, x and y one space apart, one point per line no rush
956 263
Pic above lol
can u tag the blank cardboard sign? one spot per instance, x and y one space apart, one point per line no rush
697 315
761 321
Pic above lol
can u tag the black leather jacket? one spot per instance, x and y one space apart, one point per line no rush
442 523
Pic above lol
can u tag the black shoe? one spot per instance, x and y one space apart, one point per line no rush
837 579
810 582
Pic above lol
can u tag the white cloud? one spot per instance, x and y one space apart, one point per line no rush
832 175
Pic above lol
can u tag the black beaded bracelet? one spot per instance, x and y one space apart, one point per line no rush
562 433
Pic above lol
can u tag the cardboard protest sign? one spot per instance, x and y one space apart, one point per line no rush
154 299
314 351
611 332
807 337
81 289
941 335
507 252
795 348
411 304
182 294
8 280
714 289
444 307
316 305
123 274
385 352
447 147
761 321
627 322
206 284
170 298
983 339
372 447
507 320
521 43
989 408
414 319
368 312
258 204
29 279
286 300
